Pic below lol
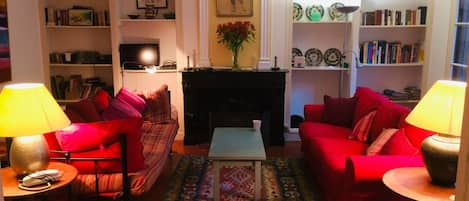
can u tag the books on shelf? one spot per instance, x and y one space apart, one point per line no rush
61 17
384 52
390 17
75 87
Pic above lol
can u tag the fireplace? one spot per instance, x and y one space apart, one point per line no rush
220 98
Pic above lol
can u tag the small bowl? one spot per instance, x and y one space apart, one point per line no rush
133 16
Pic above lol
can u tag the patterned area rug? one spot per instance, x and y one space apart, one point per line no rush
282 179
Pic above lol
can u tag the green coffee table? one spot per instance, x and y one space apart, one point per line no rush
236 146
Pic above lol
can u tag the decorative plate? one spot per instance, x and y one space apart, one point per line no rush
332 57
297 11
334 13
295 52
312 12
313 57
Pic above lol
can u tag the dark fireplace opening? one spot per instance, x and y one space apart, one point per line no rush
239 119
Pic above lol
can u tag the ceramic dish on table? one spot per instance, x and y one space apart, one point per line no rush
313 57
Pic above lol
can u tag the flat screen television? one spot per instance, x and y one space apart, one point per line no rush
130 55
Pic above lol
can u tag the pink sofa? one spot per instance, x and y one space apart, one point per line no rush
340 165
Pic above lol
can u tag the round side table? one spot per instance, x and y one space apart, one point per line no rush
10 182
415 183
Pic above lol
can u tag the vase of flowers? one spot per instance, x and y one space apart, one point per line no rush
233 35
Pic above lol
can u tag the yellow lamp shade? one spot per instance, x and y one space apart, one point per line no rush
441 109
29 109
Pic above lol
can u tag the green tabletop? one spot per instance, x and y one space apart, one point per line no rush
236 144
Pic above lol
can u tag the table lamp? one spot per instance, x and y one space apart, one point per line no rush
27 111
441 111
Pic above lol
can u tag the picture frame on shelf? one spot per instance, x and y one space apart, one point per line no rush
142 4
234 8
80 17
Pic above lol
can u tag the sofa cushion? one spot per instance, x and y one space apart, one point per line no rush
368 100
74 116
361 129
399 144
135 159
378 144
101 100
158 106
86 110
388 115
339 111
132 99
331 146
415 134
118 109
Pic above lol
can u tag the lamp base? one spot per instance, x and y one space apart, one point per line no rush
440 155
29 154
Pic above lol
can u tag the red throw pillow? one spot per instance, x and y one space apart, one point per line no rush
399 145
133 100
74 116
339 111
111 131
101 100
118 109
86 136
158 106
383 137
368 100
361 130
85 109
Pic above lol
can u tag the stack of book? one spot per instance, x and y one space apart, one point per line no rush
388 17
383 52
61 17
75 88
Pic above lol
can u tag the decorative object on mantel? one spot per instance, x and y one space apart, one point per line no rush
234 8
275 67
233 35
142 4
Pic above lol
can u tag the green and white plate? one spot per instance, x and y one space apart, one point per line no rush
314 12
297 11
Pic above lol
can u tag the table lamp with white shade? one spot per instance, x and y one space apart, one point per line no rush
441 111
27 111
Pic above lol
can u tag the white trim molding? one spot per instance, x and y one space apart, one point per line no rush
204 59
264 57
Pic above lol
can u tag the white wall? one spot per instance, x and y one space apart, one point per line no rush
25 41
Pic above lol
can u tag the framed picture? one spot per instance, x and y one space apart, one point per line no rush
80 17
142 4
233 8
5 65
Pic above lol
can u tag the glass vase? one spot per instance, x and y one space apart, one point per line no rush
235 58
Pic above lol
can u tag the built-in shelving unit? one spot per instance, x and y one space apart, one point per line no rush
404 65
148 20
319 68
81 65
76 27
391 26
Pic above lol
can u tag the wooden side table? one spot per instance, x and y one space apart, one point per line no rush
10 183
415 183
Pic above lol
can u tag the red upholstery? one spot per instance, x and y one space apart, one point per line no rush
132 99
85 109
101 100
339 111
340 166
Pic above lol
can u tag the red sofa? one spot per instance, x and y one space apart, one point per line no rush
340 165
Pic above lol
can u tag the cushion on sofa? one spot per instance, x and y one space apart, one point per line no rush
415 134
118 109
74 116
368 100
382 139
131 127
388 115
101 100
361 129
158 106
399 144
86 110
339 111
316 129
132 99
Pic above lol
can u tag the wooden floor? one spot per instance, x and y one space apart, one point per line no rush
290 150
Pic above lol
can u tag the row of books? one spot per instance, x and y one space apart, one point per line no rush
388 17
75 87
76 16
383 52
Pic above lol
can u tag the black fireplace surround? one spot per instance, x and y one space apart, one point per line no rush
225 98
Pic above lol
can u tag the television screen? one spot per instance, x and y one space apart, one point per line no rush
134 56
